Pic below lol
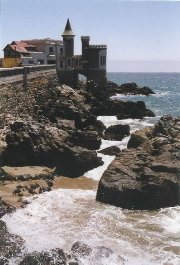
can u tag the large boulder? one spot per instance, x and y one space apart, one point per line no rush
43 145
146 177
116 132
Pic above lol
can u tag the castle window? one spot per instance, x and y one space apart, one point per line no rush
104 60
61 51
101 62
69 62
50 49
61 64
77 62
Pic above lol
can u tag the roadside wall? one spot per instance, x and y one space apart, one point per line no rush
19 70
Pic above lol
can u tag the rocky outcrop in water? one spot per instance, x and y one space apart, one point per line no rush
98 97
133 89
116 132
53 257
146 175
112 151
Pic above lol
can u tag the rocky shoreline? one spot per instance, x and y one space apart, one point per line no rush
146 175
52 130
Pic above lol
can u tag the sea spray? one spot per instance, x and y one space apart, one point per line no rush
61 217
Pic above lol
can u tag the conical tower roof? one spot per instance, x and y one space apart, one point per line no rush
68 30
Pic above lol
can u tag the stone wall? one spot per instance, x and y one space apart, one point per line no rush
19 70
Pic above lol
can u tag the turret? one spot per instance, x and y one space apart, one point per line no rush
85 44
68 38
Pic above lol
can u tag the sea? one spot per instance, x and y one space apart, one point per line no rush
61 217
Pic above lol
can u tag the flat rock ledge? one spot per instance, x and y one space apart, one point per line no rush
26 173
146 175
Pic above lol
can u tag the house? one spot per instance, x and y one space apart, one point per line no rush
91 63
48 47
36 51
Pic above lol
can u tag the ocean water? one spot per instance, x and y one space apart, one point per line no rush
166 85
61 217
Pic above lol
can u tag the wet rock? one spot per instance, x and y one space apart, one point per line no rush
80 250
146 177
103 252
116 132
4 261
53 257
112 151
5 208
10 245
133 89
123 109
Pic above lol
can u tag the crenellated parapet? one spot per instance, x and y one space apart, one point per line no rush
101 47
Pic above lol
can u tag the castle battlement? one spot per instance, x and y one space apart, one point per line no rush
85 37
98 46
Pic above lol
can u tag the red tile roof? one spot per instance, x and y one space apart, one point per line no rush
20 46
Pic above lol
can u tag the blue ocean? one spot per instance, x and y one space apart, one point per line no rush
165 85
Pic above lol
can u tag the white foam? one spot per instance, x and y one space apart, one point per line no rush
135 124
60 218
96 173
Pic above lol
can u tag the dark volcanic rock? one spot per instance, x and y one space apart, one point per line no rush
123 109
10 245
79 250
112 151
5 208
116 132
53 257
88 139
147 177
133 89
37 144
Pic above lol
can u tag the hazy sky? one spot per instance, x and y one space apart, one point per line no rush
139 34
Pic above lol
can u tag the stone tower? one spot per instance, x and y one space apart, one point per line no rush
68 39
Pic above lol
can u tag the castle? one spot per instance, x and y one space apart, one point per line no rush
91 64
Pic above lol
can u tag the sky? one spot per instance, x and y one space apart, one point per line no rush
141 35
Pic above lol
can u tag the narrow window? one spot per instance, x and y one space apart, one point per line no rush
101 63
50 49
69 62
61 64
61 51
77 63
